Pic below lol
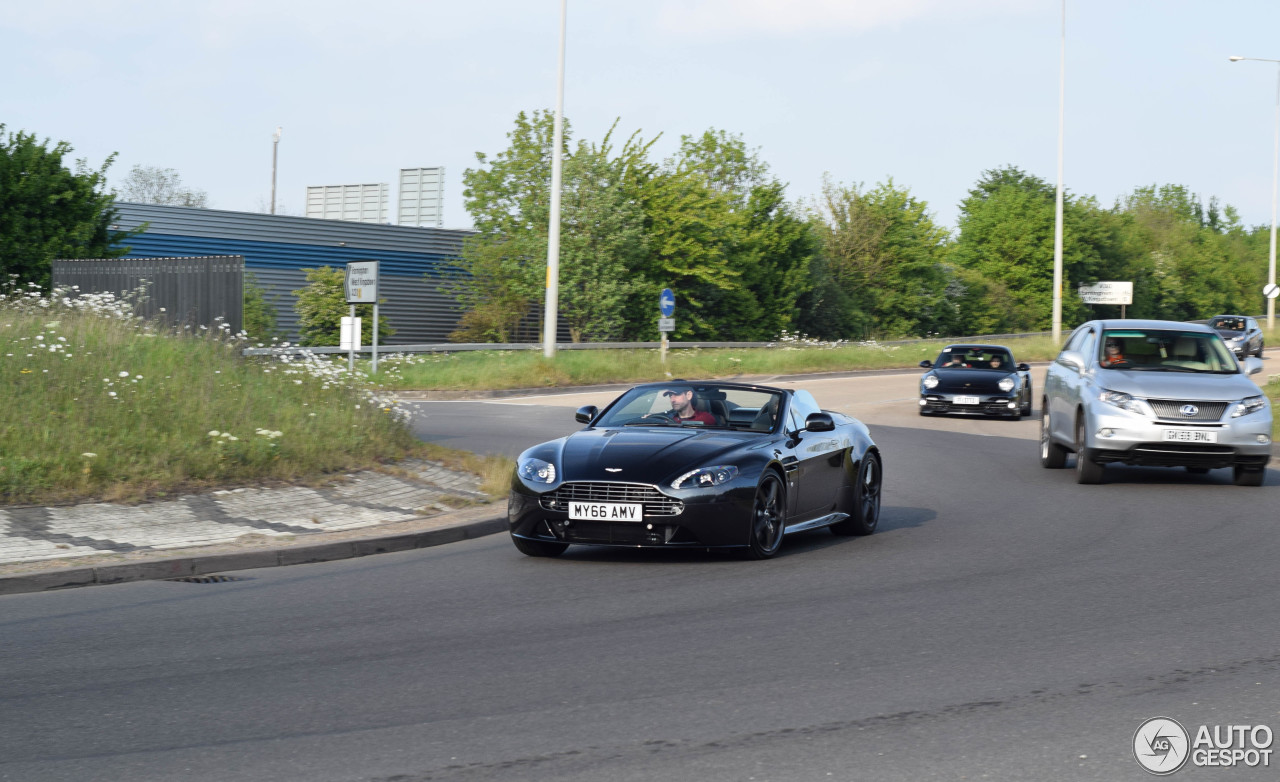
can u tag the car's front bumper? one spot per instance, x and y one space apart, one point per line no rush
988 404
710 518
1127 438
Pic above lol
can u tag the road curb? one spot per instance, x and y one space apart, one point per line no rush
203 564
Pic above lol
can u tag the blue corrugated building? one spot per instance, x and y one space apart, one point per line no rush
276 249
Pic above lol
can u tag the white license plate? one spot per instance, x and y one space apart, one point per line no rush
1190 436
966 400
606 511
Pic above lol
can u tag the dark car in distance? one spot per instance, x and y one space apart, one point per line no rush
1240 332
977 380
697 465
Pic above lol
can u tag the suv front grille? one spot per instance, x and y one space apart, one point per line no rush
1171 410
655 502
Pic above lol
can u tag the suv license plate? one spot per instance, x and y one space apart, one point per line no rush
1190 436
966 400
606 511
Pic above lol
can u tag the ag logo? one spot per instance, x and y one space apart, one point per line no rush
1160 745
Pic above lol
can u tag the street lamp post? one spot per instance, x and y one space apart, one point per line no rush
1275 178
553 229
275 147
1057 224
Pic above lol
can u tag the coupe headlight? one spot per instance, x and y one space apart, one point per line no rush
1007 384
706 476
930 381
1123 401
536 471
1251 405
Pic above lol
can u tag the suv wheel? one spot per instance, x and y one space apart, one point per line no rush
1087 470
1052 455
1246 477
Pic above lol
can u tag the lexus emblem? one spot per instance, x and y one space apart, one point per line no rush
613 469
1189 411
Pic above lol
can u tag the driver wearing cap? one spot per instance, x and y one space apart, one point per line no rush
682 408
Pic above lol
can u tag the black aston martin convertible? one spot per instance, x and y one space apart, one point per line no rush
697 465
977 379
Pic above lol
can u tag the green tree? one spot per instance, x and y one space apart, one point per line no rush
48 211
322 305
155 185
259 314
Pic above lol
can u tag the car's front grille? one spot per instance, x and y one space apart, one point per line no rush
655 502
1171 410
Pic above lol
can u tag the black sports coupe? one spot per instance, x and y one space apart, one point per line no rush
697 465
981 379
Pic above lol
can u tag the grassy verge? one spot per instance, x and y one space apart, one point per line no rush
99 406
529 369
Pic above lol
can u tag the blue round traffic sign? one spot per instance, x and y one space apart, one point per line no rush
667 302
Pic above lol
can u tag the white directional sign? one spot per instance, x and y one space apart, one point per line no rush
362 282
1107 293
666 324
1271 291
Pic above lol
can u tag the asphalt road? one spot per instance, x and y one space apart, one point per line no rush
1003 623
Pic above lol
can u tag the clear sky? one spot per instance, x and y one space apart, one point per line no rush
928 92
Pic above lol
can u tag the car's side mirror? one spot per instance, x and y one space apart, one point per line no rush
1024 367
927 364
1073 359
1252 365
586 414
819 422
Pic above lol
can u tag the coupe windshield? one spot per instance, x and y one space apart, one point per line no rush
1152 350
974 357
695 405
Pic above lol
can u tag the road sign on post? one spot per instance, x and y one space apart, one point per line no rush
361 286
666 323
1107 293
1271 291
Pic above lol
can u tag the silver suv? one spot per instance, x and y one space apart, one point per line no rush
1154 392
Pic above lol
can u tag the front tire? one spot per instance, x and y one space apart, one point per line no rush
1052 455
539 548
1087 471
866 500
1026 408
768 518
1246 477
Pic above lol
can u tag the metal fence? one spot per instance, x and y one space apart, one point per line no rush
196 291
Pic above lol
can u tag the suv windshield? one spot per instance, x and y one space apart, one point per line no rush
700 405
1228 324
974 357
1159 350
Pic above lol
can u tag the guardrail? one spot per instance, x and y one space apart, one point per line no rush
452 347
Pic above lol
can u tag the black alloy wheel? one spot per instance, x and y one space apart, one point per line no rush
768 518
866 500
1261 345
1052 455
539 548
1087 470
1026 408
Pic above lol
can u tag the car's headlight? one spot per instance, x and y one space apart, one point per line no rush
930 381
1123 401
1007 384
706 476
1250 405
536 471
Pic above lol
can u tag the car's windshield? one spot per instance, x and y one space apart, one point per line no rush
1161 350
699 405
1228 324
974 357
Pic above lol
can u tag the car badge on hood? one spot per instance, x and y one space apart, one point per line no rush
613 469
1189 411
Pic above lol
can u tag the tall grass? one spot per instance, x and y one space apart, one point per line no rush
99 405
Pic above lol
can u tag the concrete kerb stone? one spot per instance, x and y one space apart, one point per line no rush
202 564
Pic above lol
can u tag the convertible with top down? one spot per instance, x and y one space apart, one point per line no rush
697 465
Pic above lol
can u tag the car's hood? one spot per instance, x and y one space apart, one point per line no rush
1229 334
1177 385
979 381
644 454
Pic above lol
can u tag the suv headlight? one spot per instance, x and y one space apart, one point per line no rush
1123 401
1250 405
536 471
930 381
1007 384
706 476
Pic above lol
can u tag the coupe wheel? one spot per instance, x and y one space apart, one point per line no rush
1087 470
866 500
1026 408
538 548
1052 455
768 518
1247 477
1261 345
